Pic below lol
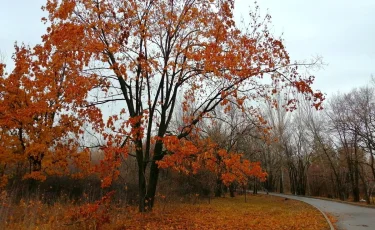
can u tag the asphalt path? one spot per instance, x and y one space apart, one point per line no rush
349 217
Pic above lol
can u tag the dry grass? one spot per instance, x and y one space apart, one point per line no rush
260 212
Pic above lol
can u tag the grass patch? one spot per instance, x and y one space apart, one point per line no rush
259 212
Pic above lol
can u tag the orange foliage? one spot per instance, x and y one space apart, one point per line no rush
38 120
190 156
91 215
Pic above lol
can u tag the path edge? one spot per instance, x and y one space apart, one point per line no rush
338 201
323 213
325 216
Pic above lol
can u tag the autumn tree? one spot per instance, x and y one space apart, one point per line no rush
147 54
38 119
232 132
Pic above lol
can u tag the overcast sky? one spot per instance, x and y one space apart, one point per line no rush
341 31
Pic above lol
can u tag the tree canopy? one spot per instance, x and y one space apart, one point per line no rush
150 59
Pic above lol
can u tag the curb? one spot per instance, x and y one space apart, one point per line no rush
325 216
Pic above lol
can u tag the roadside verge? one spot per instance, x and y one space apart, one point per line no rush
291 197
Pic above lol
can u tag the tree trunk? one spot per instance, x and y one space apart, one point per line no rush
154 176
255 191
152 184
218 189
268 184
356 188
292 179
142 189
141 181
281 183
356 176
244 190
365 187
340 190
302 178
231 190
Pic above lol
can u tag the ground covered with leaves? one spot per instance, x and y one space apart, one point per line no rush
258 212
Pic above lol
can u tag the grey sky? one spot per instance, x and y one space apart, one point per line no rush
341 31
20 21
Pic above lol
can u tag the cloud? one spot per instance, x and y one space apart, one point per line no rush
340 31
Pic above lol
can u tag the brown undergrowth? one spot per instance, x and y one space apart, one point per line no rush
259 212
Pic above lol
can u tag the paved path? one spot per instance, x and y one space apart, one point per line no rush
349 217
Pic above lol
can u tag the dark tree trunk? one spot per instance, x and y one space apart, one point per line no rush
269 183
231 190
142 190
141 181
302 178
356 197
245 192
340 190
352 163
152 184
356 175
292 179
154 176
365 187
218 188
255 190
281 183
